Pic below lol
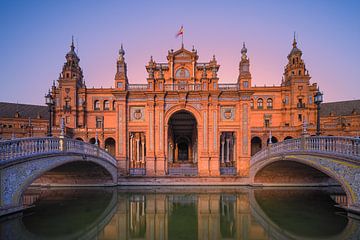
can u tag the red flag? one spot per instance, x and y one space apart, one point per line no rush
181 32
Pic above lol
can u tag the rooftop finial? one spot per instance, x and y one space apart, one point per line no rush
72 43
294 42
243 52
121 52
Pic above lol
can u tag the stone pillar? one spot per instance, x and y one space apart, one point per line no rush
137 150
227 150
176 153
190 152
143 151
131 151
222 150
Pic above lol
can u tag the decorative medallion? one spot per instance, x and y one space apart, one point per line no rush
228 113
137 114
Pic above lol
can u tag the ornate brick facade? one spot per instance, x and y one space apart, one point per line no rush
183 121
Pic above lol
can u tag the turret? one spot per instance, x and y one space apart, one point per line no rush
121 80
244 79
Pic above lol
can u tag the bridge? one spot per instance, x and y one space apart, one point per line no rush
24 160
337 157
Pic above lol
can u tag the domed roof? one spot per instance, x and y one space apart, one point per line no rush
295 49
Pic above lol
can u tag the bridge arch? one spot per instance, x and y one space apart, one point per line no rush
25 160
337 157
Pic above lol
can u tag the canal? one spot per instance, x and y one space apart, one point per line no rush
181 213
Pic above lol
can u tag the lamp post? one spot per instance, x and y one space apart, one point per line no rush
318 99
50 102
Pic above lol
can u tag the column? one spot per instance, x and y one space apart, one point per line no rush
143 152
131 151
137 150
227 149
176 153
190 153
222 150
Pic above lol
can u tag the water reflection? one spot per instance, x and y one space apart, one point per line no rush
182 213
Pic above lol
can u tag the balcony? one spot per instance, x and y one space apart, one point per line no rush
67 108
300 105
137 87
229 87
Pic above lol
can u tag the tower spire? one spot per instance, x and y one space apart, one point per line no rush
72 43
294 41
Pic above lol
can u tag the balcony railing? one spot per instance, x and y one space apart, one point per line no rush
183 87
344 147
12 150
137 87
229 87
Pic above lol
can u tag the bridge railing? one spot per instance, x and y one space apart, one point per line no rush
347 147
26 147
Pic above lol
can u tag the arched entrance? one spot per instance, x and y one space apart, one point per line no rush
110 146
182 143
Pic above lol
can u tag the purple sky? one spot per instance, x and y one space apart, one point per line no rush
36 36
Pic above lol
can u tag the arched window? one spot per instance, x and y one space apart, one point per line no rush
114 105
260 103
106 105
252 103
96 105
182 73
269 103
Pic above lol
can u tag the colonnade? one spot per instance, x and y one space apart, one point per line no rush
137 153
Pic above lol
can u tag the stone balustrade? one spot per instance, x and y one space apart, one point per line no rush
343 147
13 150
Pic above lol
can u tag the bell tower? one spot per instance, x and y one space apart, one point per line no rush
70 93
244 79
121 80
299 95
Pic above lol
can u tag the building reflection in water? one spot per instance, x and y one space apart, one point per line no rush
184 216
182 213
137 216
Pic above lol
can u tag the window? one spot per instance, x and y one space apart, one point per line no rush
182 73
67 75
287 124
119 84
310 99
114 105
299 72
97 105
246 84
269 103
67 120
252 103
106 105
267 123
99 122
214 86
300 103
300 117
260 103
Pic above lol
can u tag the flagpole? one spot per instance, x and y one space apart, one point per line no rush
182 40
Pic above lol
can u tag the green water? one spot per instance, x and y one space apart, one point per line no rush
181 213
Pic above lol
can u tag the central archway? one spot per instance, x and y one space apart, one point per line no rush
182 142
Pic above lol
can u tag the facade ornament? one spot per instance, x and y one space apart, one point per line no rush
161 74
121 53
243 52
304 127
204 71
62 127
96 138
